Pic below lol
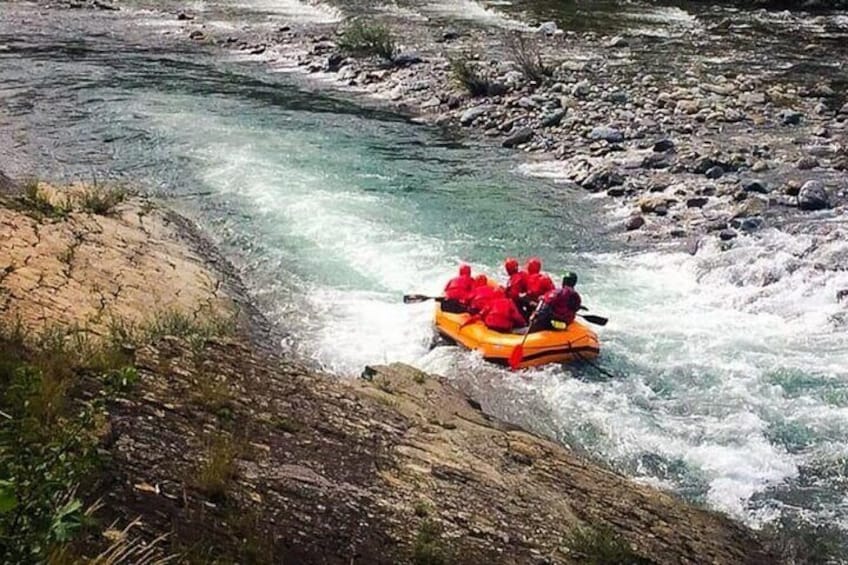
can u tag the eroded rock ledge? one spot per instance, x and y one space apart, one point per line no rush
239 455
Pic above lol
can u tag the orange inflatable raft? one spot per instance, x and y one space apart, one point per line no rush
577 342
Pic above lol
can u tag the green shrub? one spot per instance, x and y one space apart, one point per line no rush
368 39
429 547
601 546
101 200
527 57
467 76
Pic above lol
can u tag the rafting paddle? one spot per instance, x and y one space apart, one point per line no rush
518 353
416 298
592 319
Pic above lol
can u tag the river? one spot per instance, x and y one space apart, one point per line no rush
730 385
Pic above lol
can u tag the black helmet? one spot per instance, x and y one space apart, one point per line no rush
569 279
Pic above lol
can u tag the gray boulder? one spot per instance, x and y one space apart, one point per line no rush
521 136
473 113
813 196
553 119
609 134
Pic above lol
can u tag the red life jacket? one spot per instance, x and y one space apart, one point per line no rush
538 284
500 314
481 296
517 285
459 288
563 303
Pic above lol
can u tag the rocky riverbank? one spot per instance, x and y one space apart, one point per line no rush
704 133
228 451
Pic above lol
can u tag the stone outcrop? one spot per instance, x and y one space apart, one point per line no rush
236 453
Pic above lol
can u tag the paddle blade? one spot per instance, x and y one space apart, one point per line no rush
415 298
516 357
592 319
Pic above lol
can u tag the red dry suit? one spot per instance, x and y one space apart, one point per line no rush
559 305
517 284
483 294
501 315
538 283
459 288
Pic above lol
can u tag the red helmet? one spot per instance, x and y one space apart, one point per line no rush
534 266
511 265
481 280
464 271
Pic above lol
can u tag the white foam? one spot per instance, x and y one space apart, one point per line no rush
473 11
295 10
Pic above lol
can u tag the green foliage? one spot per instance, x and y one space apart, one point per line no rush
429 547
363 39
218 469
36 201
121 381
601 546
46 451
101 200
467 76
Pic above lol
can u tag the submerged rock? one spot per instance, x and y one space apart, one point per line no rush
635 222
663 145
755 185
554 118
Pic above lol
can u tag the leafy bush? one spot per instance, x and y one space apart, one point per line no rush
466 75
527 57
368 39
601 546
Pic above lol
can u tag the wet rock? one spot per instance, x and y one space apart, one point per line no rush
259 49
655 161
790 117
554 118
807 162
841 294
677 232
687 107
496 88
475 112
749 225
813 196
714 172
406 59
334 62
752 207
663 145
197 35
526 102
7 184
792 188
617 42
755 185
581 89
616 191
448 35
608 134
182 16
602 180
704 164
617 97
697 202
635 222
547 28
521 136
844 110
727 234
760 166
